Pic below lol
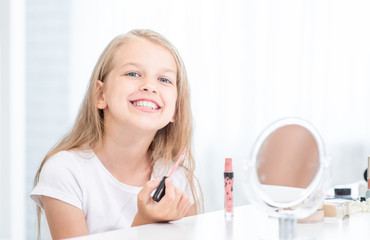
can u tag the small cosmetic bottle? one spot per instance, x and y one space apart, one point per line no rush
229 187
367 196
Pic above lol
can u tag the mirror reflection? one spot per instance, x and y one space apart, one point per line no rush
287 162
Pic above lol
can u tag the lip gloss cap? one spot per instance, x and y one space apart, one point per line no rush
228 165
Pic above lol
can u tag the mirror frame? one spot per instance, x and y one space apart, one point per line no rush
309 196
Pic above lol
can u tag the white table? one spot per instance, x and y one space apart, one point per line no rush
248 223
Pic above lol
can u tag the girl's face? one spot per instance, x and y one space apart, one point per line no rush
140 91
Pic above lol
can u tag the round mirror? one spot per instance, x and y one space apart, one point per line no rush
286 170
289 158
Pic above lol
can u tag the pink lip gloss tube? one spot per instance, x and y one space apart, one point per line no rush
229 187
368 173
367 196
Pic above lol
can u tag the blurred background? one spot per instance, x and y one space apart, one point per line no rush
249 63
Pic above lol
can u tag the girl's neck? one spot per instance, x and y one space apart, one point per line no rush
126 156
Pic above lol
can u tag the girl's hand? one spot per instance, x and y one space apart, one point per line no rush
174 205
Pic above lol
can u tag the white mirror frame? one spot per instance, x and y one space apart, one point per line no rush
310 199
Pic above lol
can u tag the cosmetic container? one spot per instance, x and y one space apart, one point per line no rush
344 193
367 196
229 188
336 209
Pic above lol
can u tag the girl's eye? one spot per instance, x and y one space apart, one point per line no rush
133 74
165 80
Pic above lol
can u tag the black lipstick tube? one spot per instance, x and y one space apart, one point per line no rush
161 190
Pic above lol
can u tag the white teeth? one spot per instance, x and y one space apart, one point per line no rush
145 104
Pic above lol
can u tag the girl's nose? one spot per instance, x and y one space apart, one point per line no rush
149 86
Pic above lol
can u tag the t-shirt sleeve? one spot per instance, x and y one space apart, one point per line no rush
60 178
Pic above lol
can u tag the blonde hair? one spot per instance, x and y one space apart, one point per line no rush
168 142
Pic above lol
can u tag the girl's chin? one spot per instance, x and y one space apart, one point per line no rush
150 126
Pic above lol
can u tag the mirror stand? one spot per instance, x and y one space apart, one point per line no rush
287 226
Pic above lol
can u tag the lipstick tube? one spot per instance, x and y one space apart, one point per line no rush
367 196
161 190
229 187
368 173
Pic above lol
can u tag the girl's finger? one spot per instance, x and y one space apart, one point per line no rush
148 188
183 205
169 199
170 190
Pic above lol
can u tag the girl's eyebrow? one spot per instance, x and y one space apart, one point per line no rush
169 71
138 65
130 64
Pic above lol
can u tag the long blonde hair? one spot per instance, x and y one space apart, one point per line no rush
168 142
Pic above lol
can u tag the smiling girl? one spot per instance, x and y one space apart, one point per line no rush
132 125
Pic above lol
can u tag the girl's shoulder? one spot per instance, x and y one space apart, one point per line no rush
71 160
62 177
73 155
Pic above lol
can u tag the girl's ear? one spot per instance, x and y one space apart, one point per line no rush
100 98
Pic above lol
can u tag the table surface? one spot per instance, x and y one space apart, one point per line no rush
249 222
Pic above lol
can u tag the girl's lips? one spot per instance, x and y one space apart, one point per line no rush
146 105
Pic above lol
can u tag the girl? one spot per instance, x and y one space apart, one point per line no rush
133 123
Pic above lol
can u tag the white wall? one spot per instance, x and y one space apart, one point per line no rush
4 121
12 161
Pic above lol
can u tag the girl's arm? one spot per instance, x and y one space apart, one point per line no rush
64 220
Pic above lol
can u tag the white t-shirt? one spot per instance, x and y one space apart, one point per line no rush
80 179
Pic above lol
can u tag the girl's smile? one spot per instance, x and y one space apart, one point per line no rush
146 105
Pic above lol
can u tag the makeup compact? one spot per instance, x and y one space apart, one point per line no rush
336 209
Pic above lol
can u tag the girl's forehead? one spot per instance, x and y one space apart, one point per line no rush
143 51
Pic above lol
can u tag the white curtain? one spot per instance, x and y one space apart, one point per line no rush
249 64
